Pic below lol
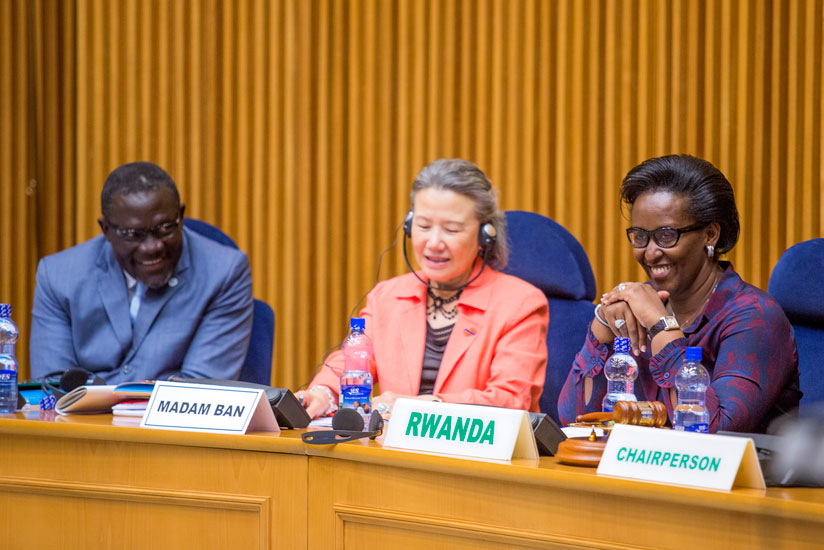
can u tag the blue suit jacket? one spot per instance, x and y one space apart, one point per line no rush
198 325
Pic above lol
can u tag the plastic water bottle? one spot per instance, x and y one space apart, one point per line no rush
692 382
8 361
621 371
356 381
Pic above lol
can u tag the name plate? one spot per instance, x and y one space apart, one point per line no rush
204 408
681 458
468 431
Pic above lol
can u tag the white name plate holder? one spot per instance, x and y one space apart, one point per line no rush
466 431
673 457
205 408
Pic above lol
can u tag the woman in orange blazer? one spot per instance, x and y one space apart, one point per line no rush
458 330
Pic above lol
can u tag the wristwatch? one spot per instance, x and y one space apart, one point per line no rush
668 322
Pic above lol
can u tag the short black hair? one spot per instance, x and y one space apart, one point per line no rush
135 177
709 194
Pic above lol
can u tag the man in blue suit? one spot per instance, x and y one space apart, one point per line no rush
147 299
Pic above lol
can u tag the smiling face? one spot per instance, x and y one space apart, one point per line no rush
151 260
675 269
445 236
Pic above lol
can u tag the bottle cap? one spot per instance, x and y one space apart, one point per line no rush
5 310
621 344
357 324
693 354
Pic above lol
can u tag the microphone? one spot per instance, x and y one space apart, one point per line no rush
487 235
347 425
70 380
429 285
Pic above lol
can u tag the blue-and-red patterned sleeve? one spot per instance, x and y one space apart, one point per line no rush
589 362
747 376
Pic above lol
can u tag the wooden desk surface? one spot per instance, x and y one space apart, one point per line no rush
99 485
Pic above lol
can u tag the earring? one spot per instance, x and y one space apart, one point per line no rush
710 251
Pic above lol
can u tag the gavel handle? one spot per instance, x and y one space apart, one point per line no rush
594 417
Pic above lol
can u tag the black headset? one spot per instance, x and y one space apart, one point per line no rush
487 235
347 425
70 380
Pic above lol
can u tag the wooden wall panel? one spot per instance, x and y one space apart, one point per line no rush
298 125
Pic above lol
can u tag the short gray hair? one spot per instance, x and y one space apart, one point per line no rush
463 177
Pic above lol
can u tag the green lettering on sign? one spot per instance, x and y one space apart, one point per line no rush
489 433
414 422
475 430
430 425
446 428
461 426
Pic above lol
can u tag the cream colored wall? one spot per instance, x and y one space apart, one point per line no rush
298 126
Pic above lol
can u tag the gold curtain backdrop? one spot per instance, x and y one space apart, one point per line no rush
297 126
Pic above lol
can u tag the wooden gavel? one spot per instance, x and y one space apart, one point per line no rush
639 413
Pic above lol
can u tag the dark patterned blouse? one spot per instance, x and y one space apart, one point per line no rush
748 349
436 340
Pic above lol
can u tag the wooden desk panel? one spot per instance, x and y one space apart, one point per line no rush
363 494
86 483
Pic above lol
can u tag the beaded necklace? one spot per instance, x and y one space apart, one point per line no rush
439 304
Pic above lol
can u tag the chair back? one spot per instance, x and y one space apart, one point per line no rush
209 231
546 255
257 367
797 283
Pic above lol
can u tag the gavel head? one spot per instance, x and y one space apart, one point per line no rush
640 413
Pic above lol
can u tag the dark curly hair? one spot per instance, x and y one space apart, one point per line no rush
709 194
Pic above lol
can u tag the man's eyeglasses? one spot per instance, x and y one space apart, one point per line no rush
136 235
665 237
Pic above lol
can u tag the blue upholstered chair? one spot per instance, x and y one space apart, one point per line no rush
258 365
797 283
548 256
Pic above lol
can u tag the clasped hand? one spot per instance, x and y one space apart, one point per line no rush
630 309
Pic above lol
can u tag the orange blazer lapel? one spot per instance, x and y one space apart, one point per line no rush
410 317
472 305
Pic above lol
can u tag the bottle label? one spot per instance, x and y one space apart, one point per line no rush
356 391
8 375
608 404
699 427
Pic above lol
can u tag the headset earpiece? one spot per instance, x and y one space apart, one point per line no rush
375 424
487 234
347 425
407 223
70 380
348 420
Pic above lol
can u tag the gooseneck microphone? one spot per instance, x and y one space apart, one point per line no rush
347 425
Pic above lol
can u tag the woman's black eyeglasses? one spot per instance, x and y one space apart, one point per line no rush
135 235
665 237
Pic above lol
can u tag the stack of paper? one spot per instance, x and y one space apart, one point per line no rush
130 407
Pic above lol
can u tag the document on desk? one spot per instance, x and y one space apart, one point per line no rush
322 422
88 399
96 399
